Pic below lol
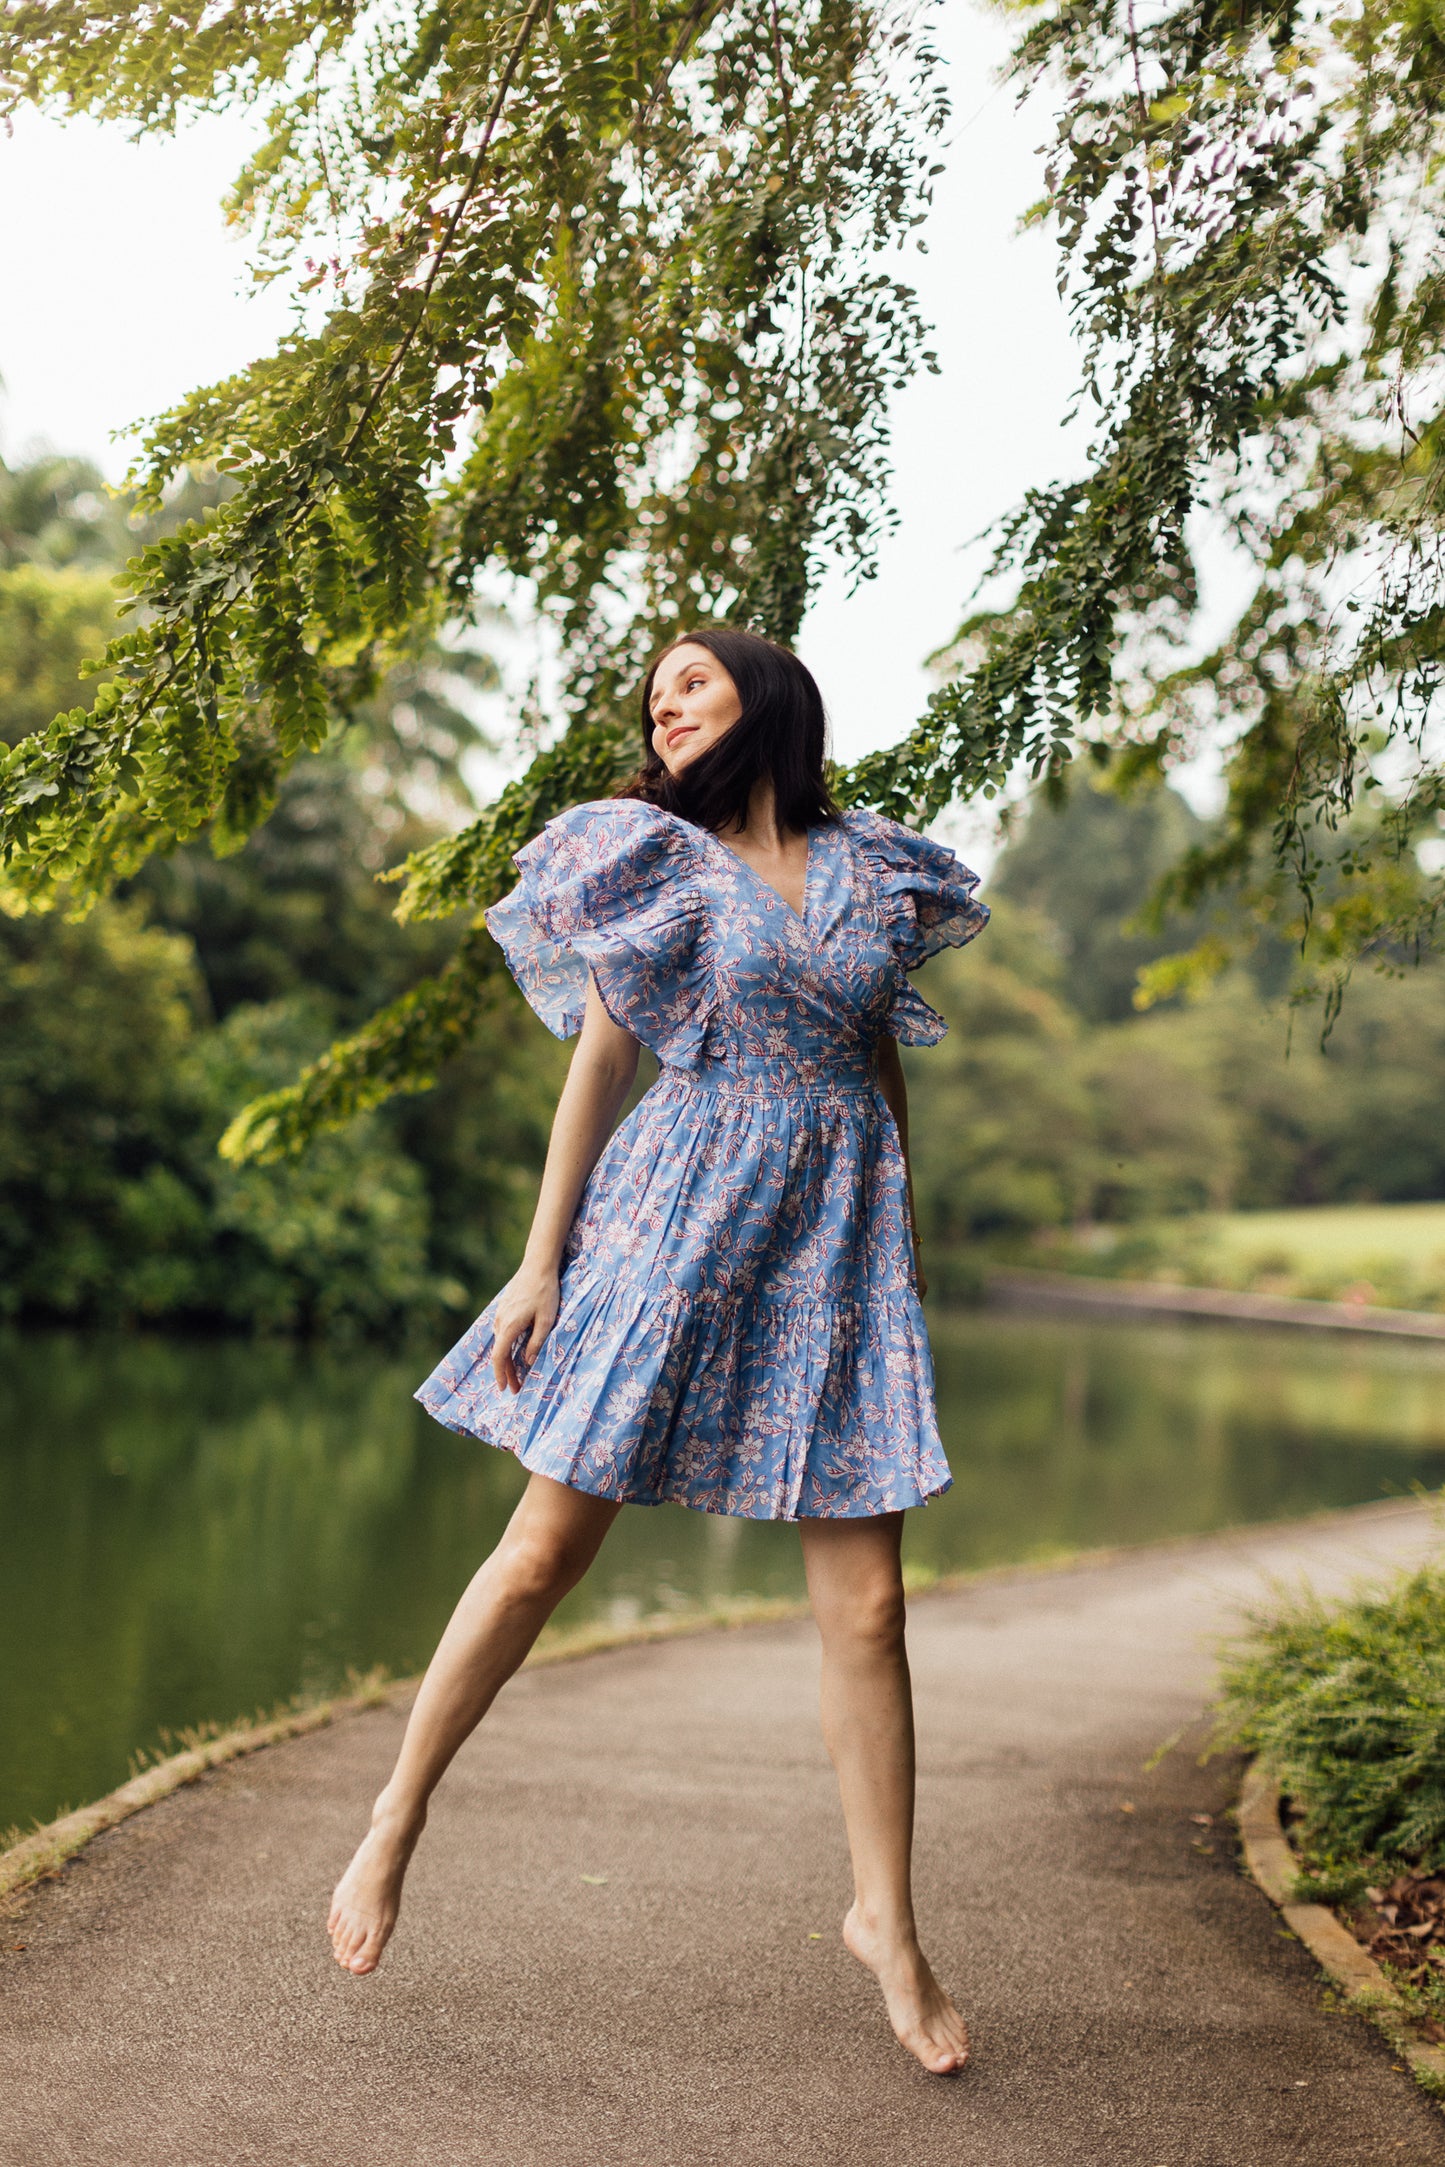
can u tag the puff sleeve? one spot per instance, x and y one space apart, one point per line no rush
927 899
613 888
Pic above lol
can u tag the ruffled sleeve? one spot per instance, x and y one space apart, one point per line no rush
927 899
613 888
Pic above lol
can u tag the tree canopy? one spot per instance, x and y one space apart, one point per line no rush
589 296
588 303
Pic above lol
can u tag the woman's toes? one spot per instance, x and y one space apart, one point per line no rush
348 1939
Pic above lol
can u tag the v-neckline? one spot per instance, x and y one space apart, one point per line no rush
799 917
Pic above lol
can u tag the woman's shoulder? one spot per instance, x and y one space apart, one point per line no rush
621 823
927 895
604 888
891 844
612 848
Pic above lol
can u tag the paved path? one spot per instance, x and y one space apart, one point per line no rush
1134 1999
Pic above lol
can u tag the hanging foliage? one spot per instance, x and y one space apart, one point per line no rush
1249 208
588 301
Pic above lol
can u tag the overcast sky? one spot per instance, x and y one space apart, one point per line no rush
124 291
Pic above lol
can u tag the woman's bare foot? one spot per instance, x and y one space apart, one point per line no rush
921 2014
368 1895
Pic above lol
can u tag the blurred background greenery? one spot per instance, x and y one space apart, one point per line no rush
1056 1124
128 1040
1059 1125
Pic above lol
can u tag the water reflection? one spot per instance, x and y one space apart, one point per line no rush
198 1530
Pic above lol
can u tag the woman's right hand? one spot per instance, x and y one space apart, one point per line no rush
526 1307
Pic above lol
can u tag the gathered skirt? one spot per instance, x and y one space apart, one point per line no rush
740 1329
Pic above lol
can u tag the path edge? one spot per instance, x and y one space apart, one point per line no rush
1274 1869
1019 1287
40 1854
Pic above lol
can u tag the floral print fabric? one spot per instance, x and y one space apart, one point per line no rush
740 1328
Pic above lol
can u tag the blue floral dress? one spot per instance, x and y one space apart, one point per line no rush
740 1328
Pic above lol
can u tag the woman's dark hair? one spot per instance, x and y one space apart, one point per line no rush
779 734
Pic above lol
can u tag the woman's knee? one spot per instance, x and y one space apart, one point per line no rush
869 1617
536 1566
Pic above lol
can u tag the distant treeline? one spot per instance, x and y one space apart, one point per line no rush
1054 1102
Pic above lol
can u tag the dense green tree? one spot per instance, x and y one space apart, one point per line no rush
1090 864
52 620
340 1241
62 541
1028 1117
115 1083
1359 1120
94 1022
1002 1129
113 1204
133 1039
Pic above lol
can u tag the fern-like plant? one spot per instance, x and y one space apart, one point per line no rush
1346 1702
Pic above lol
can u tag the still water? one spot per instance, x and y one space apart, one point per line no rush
201 1530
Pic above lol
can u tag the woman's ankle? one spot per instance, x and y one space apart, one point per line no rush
397 1816
884 1925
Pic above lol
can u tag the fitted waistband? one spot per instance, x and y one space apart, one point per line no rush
761 1079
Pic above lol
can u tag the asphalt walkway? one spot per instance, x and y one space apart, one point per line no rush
620 1948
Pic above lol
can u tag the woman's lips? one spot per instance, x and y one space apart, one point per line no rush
683 729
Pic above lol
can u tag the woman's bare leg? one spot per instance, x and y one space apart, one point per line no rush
855 1581
551 1539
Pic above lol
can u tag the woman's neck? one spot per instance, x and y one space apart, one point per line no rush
761 829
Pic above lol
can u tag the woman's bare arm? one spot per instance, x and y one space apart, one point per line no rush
603 1070
895 1092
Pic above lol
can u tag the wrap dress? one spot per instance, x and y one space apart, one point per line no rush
740 1327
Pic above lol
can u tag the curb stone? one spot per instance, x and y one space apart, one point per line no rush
1273 1867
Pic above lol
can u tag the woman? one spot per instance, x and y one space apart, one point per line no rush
719 1303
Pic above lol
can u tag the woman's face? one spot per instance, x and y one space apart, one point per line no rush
694 703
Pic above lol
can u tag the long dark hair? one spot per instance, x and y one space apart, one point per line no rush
779 735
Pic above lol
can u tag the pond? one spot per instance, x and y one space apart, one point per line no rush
202 1530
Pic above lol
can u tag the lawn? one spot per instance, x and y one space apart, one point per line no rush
1387 1254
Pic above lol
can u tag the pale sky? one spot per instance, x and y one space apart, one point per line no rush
126 291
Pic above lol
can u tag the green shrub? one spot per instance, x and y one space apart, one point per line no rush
1346 1702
